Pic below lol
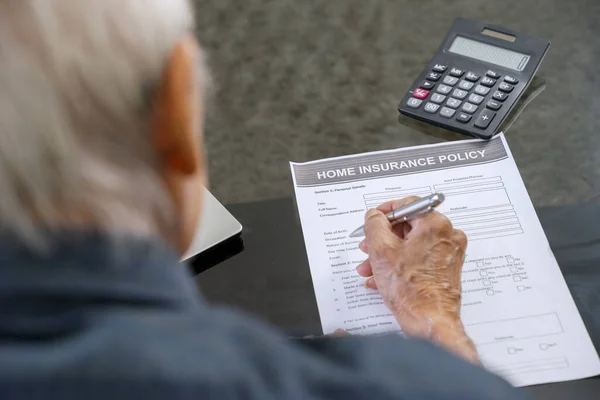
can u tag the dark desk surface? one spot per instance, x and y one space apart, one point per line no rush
270 278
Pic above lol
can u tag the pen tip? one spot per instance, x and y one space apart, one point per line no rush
356 233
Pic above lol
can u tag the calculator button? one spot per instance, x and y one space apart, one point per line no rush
499 96
493 105
421 93
447 112
453 103
472 76
493 74
449 80
475 98
443 89
482 90
427 84
433 76
431 107
414 103
459 94
488 82
484 118
506 87
465 85
511 80
438 98
470 108
463 117
457 72
439 68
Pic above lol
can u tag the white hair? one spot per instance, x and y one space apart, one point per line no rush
76 82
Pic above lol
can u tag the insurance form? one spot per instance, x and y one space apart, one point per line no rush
515 306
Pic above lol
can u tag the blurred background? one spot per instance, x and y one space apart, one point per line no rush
297 80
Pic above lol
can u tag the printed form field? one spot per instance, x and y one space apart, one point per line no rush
481 208
374 199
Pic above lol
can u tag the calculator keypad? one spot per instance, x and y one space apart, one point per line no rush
493 105
465 96
505 87
450 80
431 107
482 90
463 117
438 98
500 96
413 102
475 98
469 108
487 81
466 85
472 76
484 119
421 93
433 76
459 94
443 89
447 112
453 103
457 72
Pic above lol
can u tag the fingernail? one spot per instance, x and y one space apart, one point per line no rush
368 283
371 212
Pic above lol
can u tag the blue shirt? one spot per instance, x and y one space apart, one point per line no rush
101 317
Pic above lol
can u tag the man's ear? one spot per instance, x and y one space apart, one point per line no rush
176 111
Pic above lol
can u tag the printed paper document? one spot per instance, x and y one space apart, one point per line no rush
515 306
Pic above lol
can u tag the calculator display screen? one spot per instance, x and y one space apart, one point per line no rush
489 53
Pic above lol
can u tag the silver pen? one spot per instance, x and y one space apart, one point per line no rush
408 212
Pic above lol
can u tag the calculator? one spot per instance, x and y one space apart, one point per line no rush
476 77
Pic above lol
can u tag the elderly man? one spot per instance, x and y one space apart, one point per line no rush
101 170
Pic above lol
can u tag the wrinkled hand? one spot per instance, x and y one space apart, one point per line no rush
416 266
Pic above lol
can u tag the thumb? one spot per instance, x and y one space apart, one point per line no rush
379 235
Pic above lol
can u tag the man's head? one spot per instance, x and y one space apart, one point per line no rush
100 117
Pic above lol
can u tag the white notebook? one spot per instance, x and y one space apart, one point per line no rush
215 226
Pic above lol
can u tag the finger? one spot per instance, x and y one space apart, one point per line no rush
364 269
371 284
460 240
363 246
431 223
390 206
340 333
379 235
402 229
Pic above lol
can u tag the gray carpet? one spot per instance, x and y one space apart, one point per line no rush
305 79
